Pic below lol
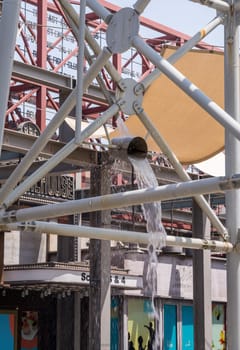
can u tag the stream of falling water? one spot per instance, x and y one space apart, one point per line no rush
152 211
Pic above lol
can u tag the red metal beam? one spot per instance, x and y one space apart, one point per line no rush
27 46
23 99
42 7
22 87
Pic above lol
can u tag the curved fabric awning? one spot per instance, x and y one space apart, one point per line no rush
192 134
214 166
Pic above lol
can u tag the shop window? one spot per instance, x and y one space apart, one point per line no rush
141 330
177 323
115 323
8 330
218 327
187 328
170 327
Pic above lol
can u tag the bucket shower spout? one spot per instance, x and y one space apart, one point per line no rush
129 147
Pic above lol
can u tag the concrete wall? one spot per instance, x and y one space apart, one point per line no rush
24 248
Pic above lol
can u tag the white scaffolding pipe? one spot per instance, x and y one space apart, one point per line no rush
8 34
37 147
80 67
232 154
188 87
123 199
73 17
118 235
97 49
39 144
60 156
181 51
140 5
158 138
218 5
100 10
96 67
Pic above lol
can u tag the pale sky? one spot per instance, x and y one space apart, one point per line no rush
182 15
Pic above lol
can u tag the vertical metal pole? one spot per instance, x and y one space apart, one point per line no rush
41 103
232 152
202 290
65 248
125 323
80 67
100 269
77 321
65 322
8 33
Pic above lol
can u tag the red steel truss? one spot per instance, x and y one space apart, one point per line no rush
45 40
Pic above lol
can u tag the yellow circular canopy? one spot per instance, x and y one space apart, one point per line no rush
192 134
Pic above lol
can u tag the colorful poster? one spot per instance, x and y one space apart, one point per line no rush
187 328
141 331
218 327
170 327
7 330
29 330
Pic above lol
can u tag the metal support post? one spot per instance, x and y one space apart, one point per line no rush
232 153
65 245
202 289
65 321
100 269
8 34
41 101
77 321
80 67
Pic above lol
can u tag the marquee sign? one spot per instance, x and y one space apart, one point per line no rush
64 276
52 187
